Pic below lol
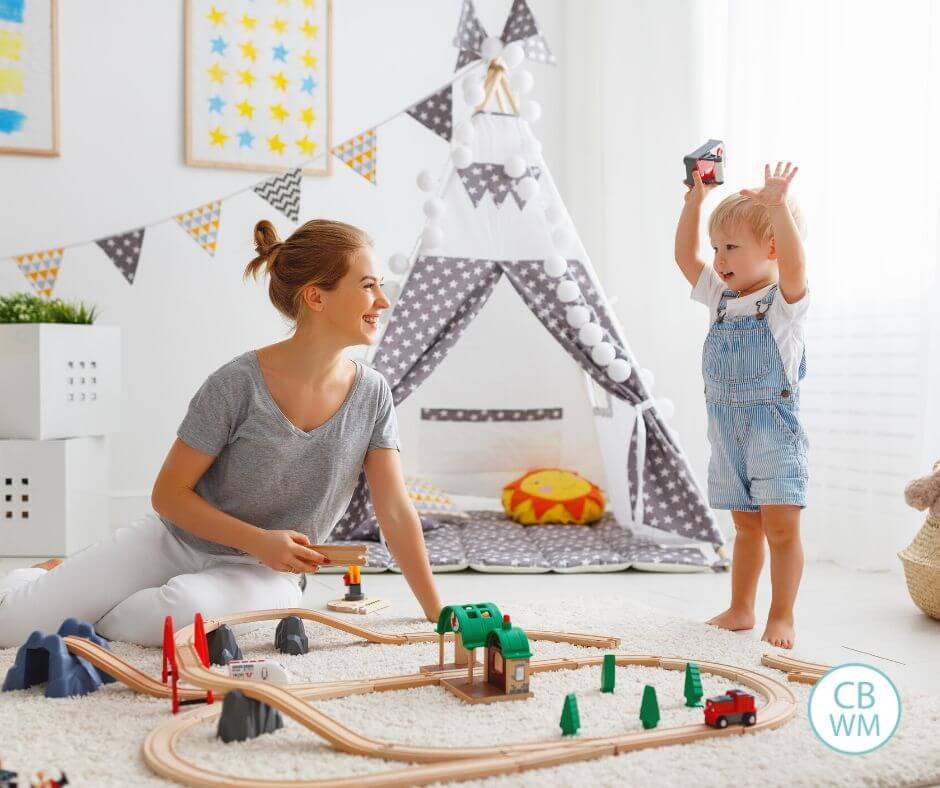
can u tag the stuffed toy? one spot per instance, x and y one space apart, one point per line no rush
553 496
924 493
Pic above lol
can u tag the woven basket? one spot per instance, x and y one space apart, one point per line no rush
921 559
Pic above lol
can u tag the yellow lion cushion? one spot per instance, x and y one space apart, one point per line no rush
553 496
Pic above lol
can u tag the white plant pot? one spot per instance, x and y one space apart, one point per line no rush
59 381
53 496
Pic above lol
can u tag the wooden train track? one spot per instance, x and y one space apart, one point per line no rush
797 670
434 763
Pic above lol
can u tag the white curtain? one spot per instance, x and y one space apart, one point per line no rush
850 91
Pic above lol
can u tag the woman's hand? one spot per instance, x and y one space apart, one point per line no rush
286 551
775 188
696 193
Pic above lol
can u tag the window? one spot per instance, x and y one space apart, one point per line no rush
520 672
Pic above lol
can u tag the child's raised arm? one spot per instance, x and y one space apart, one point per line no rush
788 245
687 230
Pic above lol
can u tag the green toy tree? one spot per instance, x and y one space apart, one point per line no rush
649 708
570 719
693 686
607 675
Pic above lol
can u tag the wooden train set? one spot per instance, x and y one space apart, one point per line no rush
433 764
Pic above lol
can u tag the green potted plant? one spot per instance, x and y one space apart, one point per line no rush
61 371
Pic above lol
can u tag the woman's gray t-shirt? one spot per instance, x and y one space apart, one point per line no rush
267 471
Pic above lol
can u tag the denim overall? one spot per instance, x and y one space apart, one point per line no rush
758 447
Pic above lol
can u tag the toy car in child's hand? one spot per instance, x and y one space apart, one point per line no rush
709 160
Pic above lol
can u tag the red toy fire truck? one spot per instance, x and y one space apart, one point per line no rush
734 706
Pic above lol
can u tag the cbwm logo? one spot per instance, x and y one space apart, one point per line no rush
854 708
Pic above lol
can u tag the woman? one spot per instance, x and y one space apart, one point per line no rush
264 465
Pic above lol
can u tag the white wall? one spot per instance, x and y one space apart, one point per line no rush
633 98
121 165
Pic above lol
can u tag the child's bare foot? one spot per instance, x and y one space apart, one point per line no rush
52 563
779 633
733 619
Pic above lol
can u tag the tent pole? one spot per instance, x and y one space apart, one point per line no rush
504 84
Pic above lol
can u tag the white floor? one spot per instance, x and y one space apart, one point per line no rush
842 615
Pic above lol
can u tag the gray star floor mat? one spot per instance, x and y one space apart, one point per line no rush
490 542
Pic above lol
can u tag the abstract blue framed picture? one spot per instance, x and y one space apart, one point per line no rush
29 79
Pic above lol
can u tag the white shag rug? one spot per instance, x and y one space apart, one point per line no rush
96 739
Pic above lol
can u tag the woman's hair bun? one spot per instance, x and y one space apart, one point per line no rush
267 245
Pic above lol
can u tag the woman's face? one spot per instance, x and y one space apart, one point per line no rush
352 308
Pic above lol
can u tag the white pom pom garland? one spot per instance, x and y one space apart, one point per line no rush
619 370
462 156
426 181
567 291
555 266
666 408
434 208
590 334
603 353
577 315
527 188
513 55
521 81
464 133
492 48
515 166
531 111
474 95
398 263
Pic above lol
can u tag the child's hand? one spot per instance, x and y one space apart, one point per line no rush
698 190
774 192
287 551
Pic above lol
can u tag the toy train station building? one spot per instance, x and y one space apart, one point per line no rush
505 674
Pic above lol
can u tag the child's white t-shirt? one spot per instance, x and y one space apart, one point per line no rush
786 321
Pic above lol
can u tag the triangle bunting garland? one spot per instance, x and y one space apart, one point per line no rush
124 251
436 112
283 192
521 26
469 36
202 224
360 154
41 269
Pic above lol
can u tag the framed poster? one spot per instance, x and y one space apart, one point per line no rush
258 84
29 77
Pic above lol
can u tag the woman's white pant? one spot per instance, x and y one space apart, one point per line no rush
126 585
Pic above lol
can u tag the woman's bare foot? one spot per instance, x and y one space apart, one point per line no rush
733 619
779 633
52 563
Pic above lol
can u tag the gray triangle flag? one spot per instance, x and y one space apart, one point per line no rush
470 34
521 26
283 192
436 112
124 251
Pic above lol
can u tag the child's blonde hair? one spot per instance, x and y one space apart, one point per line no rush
736 210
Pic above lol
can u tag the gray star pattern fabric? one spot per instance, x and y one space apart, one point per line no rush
671 497
483 178
436 112
469 36
490 542
124 251
283 192
477 414
444 294
521 26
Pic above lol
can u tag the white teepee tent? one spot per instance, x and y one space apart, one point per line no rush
500 246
